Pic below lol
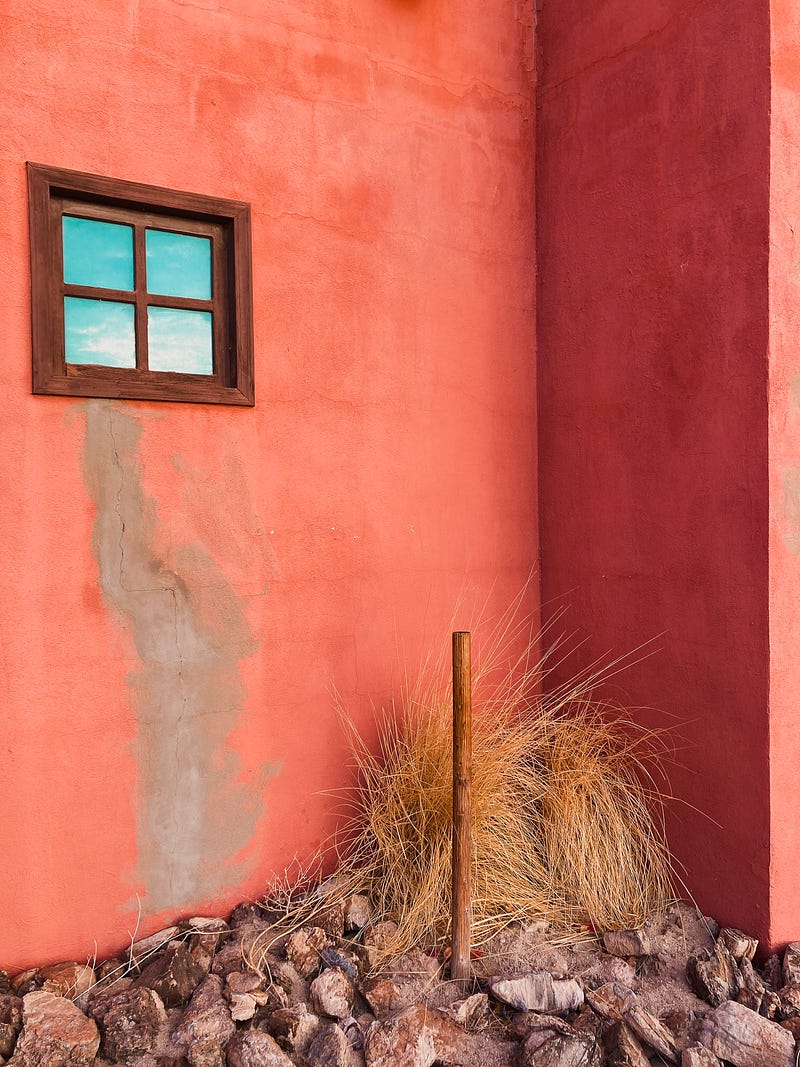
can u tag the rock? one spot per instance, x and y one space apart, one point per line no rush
330 1048
698 1056
772 974
174 974
740 1036
206 1020
622 1048
788 1001
26 982
293 1028
714 976
55 1033
382 995
538 991
616 1003
548 1048
131 1023
303 950
331 920
357 912
71 980
626 942
415 1037
741 946
206 935
791 964
10 1022
141 951
345 961
353 1030
332 994
376 940
206 1054
254 1048
471 1013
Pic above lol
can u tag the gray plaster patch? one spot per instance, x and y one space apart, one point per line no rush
194 814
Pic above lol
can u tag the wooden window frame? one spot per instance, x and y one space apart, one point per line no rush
53 193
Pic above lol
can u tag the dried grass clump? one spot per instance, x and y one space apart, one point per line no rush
562 806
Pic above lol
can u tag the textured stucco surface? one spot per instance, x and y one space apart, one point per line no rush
653 176
175 607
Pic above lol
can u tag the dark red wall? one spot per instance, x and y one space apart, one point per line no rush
652 194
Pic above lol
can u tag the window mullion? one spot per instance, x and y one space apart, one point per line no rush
140 282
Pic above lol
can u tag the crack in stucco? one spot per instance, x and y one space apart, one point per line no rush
195 815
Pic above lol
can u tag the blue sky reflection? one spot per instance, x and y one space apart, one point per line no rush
97 253
178 265
180 340
100 332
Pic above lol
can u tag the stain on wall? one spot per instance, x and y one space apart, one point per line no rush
194 814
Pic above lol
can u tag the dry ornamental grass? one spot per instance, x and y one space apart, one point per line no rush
563 808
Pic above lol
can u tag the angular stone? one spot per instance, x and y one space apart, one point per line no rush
357 912
617 1003
140 951
293 1028
714 976
55 1033
737 1034
789 1000
772 973
26 982
131 1023
254 1048
68 979
331 920
376 940
206 1053
382 995
622 1048
698 1056
303 950
741 946
471 1013
346 961
174 974
330 1048
415 1037
332 994
626 942
546 1048
10 1022
206 1020
538 991
791 964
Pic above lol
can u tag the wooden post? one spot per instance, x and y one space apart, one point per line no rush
462 824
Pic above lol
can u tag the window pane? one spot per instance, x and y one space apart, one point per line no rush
178 265
180 340
97 253
100 332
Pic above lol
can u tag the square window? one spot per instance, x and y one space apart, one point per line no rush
137 291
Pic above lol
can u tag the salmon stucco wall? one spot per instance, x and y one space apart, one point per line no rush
183 584
784 464
653 218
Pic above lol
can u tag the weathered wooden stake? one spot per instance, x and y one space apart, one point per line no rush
462 814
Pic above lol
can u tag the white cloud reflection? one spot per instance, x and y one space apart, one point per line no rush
180 340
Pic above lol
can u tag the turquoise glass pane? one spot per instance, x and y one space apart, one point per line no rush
97 253
99 331
180 341
178 265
